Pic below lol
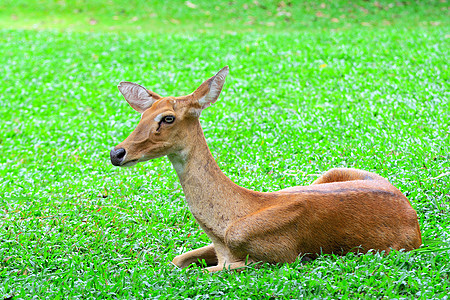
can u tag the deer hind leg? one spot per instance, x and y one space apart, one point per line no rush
207 254
345 174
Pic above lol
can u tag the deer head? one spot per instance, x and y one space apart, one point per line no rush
166 122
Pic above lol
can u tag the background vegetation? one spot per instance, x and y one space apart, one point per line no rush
313 85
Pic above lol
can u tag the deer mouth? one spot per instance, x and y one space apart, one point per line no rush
130 163
118 158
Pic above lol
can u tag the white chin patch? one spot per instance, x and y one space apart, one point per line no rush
130 163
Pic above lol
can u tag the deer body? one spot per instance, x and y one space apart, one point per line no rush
343 210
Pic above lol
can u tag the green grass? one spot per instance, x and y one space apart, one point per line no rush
304 95
218 16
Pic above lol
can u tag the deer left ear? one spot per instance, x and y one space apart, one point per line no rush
137 96
208 92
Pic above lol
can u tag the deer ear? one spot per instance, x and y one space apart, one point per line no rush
137 96
208 92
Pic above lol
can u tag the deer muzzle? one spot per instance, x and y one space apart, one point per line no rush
117 156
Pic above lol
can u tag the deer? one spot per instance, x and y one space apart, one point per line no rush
344 210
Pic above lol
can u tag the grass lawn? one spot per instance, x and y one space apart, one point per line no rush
312 86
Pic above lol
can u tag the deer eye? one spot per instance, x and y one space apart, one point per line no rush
168 119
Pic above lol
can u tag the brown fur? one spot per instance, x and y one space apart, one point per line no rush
344 210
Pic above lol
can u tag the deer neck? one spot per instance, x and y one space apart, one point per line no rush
213 199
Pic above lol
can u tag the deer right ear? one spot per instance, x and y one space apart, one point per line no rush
208 92
137 96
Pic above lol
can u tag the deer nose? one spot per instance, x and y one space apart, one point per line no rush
117 156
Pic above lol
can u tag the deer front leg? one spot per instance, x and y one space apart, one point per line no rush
207 253
229 266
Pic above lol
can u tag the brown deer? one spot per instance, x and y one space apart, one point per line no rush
344 210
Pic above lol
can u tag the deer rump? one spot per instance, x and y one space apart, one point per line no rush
353 216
